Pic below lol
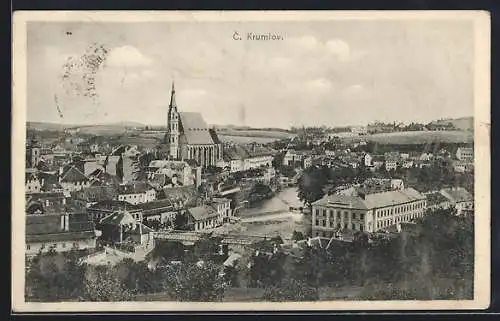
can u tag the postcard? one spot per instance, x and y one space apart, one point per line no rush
236 161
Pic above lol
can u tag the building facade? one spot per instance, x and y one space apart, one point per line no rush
465 154
370 213
61 232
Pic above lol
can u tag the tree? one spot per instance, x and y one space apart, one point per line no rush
206 247
195 282
180 221
166 251
311 184
291 290
103 285
54 277
297 236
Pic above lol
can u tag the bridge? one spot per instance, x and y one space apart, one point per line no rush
189 238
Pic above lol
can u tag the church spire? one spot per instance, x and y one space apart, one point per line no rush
173 104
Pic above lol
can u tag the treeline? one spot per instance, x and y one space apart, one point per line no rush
433 262
56 277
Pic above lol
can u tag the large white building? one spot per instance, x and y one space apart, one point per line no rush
465 154
370 212
136 193
244 157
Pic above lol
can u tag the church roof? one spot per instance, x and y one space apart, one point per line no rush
195 129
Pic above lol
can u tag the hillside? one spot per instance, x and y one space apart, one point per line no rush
418 137
463 123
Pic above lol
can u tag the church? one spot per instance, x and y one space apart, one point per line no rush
189 138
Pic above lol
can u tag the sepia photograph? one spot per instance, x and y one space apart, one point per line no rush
251 161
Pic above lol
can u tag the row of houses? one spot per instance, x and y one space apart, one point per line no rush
238 158
381 210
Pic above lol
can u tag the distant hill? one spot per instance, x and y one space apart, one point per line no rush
94 129
463 123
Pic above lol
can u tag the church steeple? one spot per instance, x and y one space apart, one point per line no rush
173 104
172 135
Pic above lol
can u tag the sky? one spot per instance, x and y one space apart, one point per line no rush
331 73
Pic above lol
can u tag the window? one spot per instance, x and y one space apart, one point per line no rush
353 216
353 226
331 213
345 225
361 216
317 222
28 246
324 213
338 215
361 227
346 215
317 212
324 222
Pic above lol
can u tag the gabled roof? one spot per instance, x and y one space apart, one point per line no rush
114 205
119 218
47 227
96 193
435 198
458 194
134 188
202 212
73 174
195 129
370 201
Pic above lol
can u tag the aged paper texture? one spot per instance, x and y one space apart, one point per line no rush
225 161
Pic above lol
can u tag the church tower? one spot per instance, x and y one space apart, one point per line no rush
172 136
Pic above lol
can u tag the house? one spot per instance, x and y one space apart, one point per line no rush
246 157
426 157
102 209
330 153
203 217
391 164
32 183
46 202
90 165
436 200
124 228
99 177
465 154
163 210
72 179
136 193
95 194
460 198
407 163
307 162
223 207
61 232
128 159
368 160
296 158
174 173
463 167
366 212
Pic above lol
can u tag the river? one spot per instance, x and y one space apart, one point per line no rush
272 217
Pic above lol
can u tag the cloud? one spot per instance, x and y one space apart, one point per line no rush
353 89
127 56
339 48
320 84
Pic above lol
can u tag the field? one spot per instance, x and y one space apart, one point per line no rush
246 139
420 137
256 133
